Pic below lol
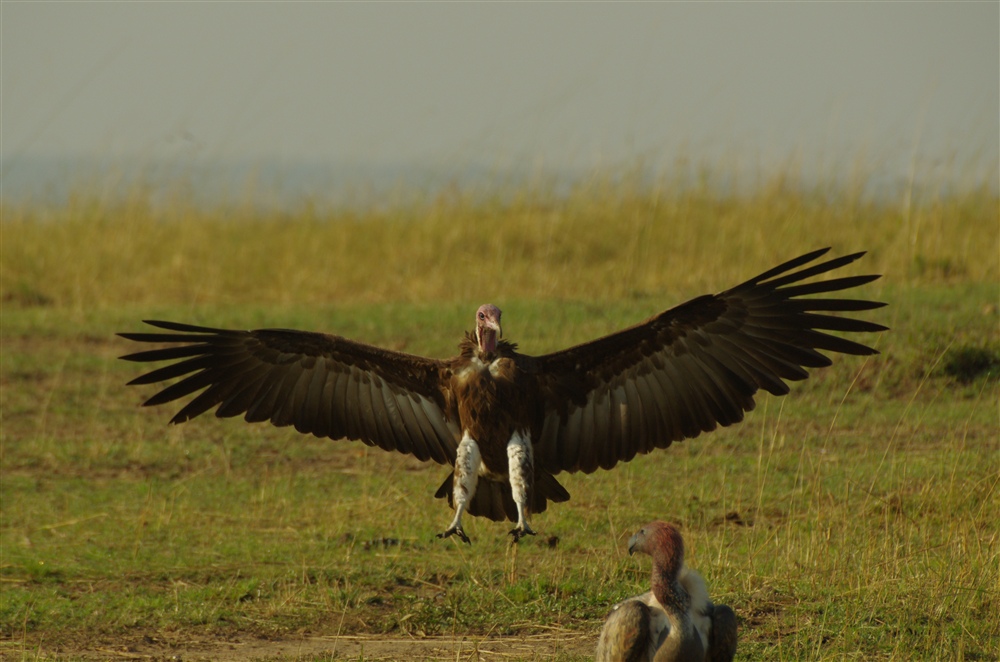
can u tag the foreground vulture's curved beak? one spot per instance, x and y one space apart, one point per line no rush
633 541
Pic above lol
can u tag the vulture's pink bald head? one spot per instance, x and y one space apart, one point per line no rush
488 327
663 542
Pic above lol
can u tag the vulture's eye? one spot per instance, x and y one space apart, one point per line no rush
482 316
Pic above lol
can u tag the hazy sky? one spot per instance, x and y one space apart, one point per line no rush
562 85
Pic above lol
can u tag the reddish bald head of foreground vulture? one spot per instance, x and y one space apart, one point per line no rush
506 422
673 622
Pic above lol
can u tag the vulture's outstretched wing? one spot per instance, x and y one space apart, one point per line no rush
322 384
693 367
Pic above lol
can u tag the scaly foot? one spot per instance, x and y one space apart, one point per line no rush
457 530
519 532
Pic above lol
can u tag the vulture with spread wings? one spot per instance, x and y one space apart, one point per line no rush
508 422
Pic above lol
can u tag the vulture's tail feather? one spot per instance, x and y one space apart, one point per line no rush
493 498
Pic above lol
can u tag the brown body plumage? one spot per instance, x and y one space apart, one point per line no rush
675 621
507 422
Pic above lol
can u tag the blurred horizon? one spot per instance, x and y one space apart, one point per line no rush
281 186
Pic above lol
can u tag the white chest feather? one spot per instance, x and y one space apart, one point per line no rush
477 366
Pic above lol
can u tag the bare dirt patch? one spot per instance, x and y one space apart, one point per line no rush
177 648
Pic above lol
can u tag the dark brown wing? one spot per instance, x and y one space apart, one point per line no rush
693 367
723 635
322 384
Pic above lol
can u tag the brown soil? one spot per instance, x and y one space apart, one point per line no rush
532 647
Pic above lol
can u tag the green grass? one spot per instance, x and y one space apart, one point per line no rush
857 517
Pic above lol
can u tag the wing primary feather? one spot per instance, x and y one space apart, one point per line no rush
761 366
546 449
597 431
650 421
383 409
307 395
717 392
339 400
738 374
616 435
186 386
352 407
285 404
405 424
446 430
815 321
649 389
324 405
570 438
732 393
369 420
689 413
204 401
168 353
385 438
227 376
265 400
831 285
835 323
242 400
777 355
635 428
229 383
191 328
445 438
598 422
613 424
785 266
696 387
783 351
814 270
826 342
652 417
168 338
419 427
791 306
668 402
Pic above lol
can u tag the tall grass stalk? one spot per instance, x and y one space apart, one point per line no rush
603 240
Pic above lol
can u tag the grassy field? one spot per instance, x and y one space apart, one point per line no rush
858 517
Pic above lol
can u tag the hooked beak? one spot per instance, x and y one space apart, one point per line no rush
632 542
488 332
488 328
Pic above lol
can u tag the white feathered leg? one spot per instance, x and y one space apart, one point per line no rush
468 461
521 468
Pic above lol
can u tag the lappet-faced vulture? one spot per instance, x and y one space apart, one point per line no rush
673 622
508 422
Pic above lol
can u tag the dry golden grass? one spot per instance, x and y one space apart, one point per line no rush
602 241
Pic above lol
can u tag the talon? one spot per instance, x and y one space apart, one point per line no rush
519 533
457 530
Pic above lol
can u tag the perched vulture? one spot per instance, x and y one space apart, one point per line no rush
673 622
508 422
